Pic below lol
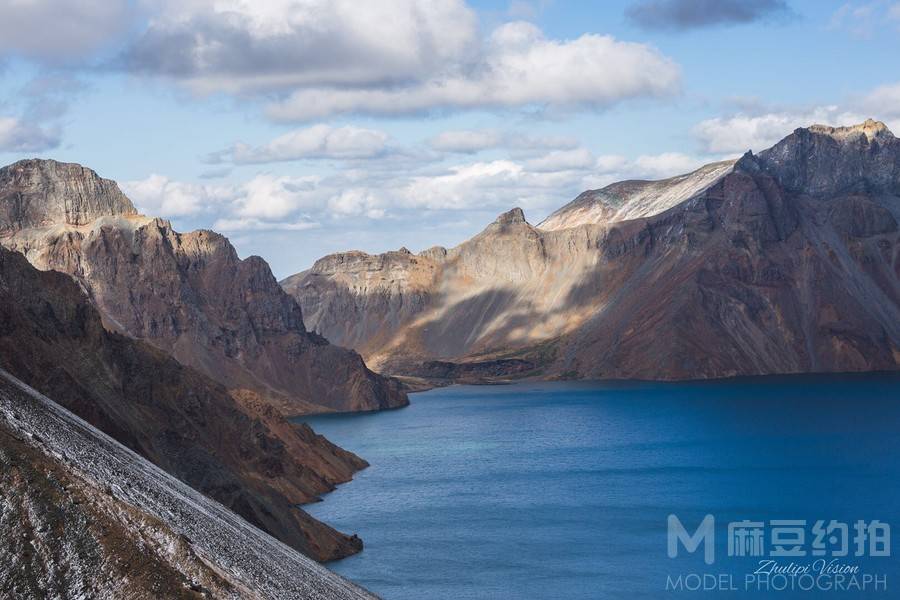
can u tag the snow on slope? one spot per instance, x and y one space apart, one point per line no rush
249 559
634 199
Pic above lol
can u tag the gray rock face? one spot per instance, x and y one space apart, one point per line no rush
36 193
824 161
188 294
83 516
784 262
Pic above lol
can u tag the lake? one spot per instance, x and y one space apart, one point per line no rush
563 490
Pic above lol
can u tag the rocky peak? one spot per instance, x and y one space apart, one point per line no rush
871 129
822 160
36 193
510 217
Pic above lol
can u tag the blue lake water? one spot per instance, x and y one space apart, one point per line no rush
562 490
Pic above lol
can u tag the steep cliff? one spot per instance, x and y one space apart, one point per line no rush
186 293
778 263
234 448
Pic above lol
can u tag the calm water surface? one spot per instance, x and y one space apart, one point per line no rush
562 490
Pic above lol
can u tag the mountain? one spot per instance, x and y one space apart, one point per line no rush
235 448
783 262
84 517
188 294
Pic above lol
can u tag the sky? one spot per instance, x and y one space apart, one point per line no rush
299 128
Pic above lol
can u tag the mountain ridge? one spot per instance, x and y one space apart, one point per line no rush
186 293
701 288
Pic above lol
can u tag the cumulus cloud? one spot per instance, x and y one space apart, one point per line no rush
243 45
359 201
518 67
386 58
17 135
316 142
158 195
268 202
60 31
692 14
739 133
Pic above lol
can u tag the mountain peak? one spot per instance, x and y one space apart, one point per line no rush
871 128
37 192
516 215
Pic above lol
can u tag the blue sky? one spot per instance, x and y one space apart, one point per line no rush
304 127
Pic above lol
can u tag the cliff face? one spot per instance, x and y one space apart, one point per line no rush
188 294
34 193
778 263
81 516
233 447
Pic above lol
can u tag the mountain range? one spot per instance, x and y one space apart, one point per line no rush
785 261
147 375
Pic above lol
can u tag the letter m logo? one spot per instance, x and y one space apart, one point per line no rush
705 533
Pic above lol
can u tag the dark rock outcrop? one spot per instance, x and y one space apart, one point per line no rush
186 293
783 262
233 447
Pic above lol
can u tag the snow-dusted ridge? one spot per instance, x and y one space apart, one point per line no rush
254 562
635 199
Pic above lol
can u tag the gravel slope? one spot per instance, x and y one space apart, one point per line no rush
195 538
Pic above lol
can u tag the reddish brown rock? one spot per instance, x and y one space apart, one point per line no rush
235 448
186 293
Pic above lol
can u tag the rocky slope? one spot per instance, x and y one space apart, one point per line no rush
782 262
233 447
186 293
82 516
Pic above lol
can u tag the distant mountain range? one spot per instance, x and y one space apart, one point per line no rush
782 262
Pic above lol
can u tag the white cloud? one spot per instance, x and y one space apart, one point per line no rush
863 19
742 132
250 224
268 202
519 67
357 201
245 45
316 142
884 101
499 184
60 31
562 160
667 164
17 135
270 197
158 195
